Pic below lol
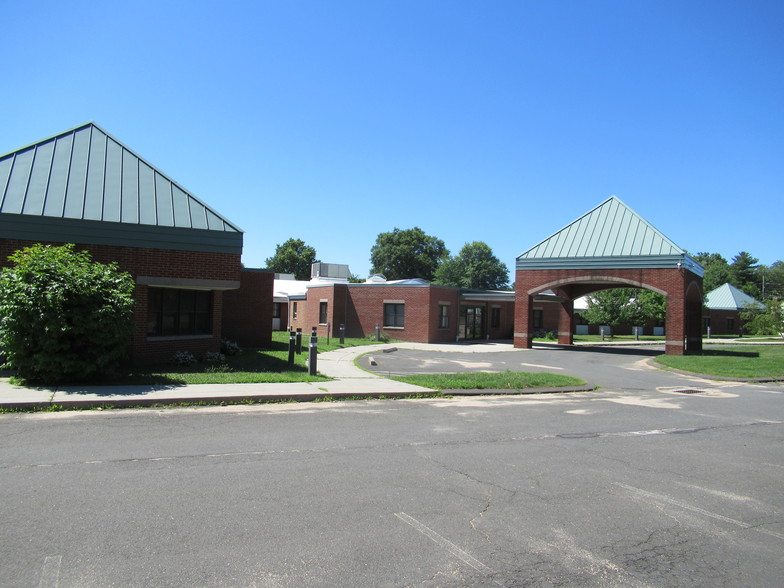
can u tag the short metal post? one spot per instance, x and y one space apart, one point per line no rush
601 331
312 354
292 346
342 334
299 340
636 333
708 331
378 332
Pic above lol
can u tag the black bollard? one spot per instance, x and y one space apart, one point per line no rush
292 345
342 334
299 341
312 354
378 332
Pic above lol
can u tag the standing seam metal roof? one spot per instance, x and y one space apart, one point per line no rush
728 297
86 174
610 235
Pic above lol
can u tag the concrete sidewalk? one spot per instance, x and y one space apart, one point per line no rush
348 381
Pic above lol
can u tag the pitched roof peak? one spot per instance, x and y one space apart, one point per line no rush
609 235
86 174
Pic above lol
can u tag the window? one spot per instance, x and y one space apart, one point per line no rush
443 316
276 310
172 313
538 318
495 317
294 311
322 313
394 314
730 324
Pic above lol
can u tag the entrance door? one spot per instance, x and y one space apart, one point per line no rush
471 322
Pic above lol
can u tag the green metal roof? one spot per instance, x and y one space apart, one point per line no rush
728 297
611 235
84 183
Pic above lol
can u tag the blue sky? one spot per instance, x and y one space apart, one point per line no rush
497 121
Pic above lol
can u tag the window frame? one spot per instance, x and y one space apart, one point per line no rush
398 315
538 318
179 312
443 316
323 312
495 317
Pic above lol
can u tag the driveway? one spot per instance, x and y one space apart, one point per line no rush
622 368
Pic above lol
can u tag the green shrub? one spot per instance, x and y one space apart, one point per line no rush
63 317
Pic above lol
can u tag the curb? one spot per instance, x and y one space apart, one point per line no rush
276 398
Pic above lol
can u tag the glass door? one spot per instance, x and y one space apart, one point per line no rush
471 322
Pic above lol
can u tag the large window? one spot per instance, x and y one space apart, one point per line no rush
394 314
276 310
172 313
322 313
443 316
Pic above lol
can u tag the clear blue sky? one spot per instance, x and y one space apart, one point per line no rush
497 121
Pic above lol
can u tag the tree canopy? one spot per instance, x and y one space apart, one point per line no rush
629 306
408 253
474 267
293 257
64 317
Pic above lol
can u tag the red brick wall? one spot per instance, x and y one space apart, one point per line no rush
718 322
682 287
158 263
438 295
247 312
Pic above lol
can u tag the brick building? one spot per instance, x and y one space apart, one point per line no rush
410 310
85 187
723 306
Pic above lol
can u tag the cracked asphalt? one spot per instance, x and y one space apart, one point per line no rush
631 485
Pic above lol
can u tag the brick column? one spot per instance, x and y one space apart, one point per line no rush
524 321
566 322
675 325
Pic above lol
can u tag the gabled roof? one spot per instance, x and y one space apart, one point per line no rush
85 175
611 235
728 297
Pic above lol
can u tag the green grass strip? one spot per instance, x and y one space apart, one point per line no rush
738 361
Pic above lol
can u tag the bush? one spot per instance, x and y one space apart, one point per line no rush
382 337
229 347
183 358
63 317
214 358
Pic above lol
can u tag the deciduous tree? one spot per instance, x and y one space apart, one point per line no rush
293 257
474 267
408 253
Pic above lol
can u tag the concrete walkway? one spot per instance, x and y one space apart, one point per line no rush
348 381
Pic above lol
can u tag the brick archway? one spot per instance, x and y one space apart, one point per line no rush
610 246
681 286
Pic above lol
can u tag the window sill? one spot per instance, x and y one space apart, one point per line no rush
394 328
179 337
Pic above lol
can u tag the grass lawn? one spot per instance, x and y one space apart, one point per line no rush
250 366
747 361
491 381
